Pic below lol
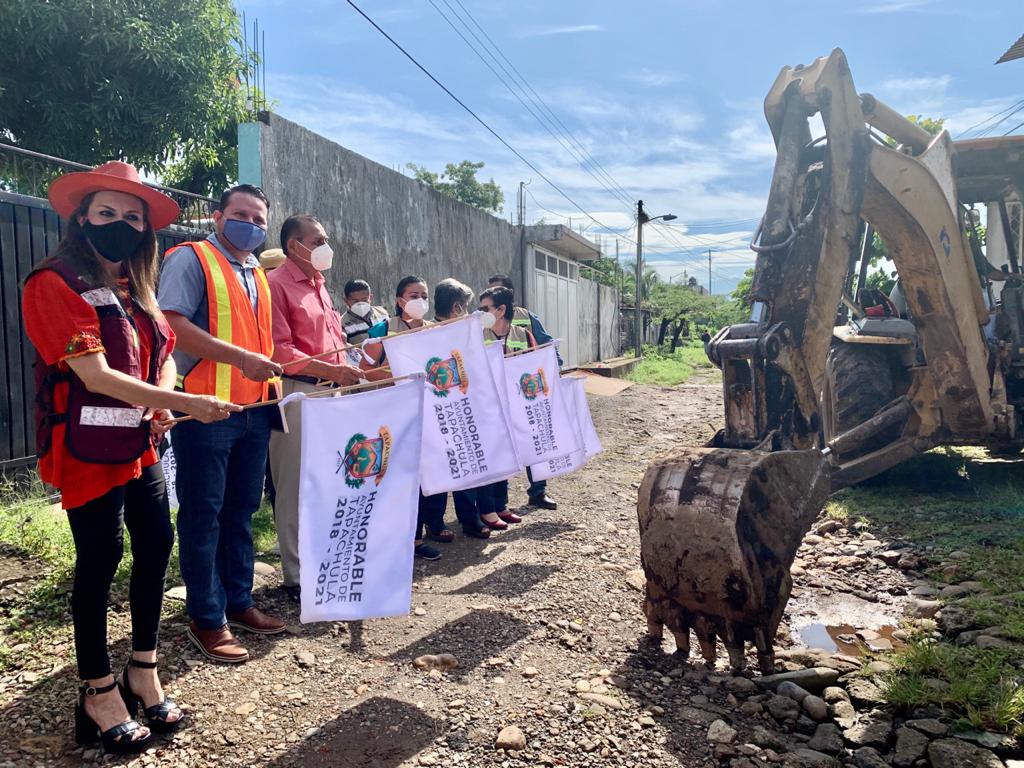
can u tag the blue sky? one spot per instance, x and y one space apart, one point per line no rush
665 96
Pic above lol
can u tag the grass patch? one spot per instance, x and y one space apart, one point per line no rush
36 528
983 686
669 369
956 501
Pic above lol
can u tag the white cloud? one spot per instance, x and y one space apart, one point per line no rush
570 30
917 84
893 6
655 153
652 79
982 117
752 140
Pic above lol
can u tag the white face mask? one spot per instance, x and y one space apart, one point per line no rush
321 257
486 319
361 309
416 308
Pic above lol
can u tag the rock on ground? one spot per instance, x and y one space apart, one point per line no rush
954 753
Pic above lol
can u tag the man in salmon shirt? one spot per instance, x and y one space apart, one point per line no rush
305 324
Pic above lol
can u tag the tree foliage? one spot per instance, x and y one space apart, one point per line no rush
460 183
741 293
686 311
878 254
153 82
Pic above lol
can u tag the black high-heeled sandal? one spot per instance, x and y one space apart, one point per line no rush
118 740
476 532
156 715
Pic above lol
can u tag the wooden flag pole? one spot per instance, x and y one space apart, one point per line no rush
329 391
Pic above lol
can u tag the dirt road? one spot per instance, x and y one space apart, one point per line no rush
542 620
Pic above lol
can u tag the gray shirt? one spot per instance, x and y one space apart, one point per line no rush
182 290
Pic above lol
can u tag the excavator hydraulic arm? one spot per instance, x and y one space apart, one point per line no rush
720 524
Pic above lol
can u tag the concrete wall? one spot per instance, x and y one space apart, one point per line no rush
598 329
382 225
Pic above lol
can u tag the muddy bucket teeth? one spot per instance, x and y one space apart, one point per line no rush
719 529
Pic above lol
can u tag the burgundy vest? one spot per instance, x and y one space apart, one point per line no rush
99 429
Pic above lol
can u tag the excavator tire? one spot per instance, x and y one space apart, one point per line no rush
859 383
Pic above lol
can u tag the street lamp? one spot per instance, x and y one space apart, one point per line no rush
641 219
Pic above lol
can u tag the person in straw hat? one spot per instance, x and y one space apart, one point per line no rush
105 383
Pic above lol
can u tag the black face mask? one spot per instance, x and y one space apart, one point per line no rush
115 242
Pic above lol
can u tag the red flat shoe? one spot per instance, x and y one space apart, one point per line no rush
510 517
497 525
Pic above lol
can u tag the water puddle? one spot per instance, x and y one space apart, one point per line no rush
848 640
843 623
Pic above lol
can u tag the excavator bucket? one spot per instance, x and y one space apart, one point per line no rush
719 529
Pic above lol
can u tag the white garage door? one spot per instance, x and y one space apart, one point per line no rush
554 299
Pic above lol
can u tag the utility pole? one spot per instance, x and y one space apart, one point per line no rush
638 327
709 271
641 219
622 281
522 203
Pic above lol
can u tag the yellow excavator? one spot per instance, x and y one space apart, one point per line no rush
830 383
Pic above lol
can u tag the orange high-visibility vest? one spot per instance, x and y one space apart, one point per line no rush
232 320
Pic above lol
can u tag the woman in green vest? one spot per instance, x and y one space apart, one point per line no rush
492 500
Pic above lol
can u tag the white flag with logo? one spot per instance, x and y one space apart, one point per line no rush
496 359
466 442
358 500
541 420
591 440
563 465
170 467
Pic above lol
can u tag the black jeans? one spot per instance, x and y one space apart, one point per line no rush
430 514
432 508
98 529
538 488
492 497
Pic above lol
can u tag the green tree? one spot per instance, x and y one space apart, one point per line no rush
460 183
878 278
154 82
686 311
608 272
741 293
931 124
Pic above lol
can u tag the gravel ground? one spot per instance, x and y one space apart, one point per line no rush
545 626
542 619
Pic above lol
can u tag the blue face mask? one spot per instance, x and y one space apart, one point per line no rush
243 235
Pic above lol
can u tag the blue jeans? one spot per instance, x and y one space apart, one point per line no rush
221 468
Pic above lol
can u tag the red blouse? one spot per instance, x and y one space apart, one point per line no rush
62 325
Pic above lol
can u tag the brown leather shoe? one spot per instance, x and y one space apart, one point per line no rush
218 644
252 619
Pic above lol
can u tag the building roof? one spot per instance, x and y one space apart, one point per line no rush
563 241
986 167
1016 51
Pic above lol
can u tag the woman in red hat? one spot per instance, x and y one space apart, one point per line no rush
105 389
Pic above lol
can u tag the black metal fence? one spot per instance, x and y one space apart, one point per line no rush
29 231
30 173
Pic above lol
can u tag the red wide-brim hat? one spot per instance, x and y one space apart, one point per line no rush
66 193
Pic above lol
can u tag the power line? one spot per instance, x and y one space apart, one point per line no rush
1001 120
714 224
675 237
538 98
990 117
544 124
475 116
1019 125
